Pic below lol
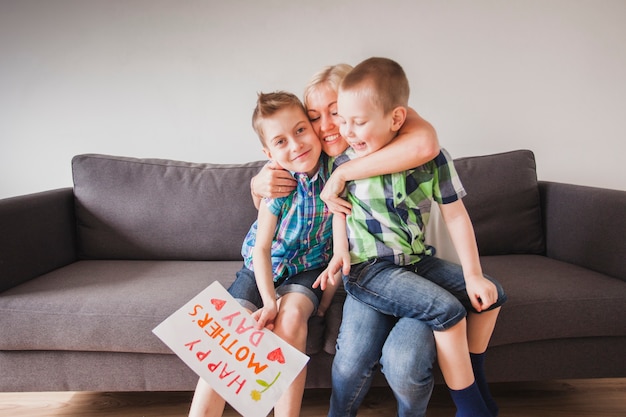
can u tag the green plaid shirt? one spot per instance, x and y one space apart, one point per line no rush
389 212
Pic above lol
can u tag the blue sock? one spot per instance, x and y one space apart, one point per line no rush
469 402
478 361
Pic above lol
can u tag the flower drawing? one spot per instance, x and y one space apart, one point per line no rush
255 394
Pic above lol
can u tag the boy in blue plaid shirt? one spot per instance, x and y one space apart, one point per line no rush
382 253
287 247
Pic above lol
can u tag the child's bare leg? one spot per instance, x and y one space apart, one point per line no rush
454 362
453 356
206 402
479 330
291 325
291 401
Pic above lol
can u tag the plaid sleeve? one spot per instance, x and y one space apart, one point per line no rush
447 186
275 204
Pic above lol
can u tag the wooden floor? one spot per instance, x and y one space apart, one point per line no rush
566 398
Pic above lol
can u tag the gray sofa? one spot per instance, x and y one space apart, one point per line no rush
87 272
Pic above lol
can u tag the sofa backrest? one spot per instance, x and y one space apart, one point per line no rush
129 208
503 202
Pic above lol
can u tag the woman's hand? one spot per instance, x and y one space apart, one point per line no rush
272 182
333 187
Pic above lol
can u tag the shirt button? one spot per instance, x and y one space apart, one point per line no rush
399 195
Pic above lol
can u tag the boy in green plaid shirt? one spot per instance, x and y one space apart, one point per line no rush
380 245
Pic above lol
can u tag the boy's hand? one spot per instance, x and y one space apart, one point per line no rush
338 263
333 187
329 292
265 316
273 181
482 292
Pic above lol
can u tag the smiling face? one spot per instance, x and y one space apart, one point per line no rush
290 140
321 103
364 125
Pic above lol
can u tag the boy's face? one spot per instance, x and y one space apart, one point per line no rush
364 125
291 141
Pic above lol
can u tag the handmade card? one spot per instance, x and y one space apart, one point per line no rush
217 338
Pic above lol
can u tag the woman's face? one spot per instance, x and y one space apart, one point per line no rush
321 106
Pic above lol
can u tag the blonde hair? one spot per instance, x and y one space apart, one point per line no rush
387 81
331 75
268 104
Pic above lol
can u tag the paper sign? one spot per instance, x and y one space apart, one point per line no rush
217 339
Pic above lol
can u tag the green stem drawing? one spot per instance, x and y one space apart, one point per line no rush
256 395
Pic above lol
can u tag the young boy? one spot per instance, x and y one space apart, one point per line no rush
287 247
382 252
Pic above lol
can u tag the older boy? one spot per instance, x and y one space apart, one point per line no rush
383 251
287 247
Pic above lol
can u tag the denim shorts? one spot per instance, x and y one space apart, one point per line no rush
246 292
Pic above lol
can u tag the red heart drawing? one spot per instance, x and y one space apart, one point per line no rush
218 303
276 355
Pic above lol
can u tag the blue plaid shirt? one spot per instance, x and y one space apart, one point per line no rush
303 236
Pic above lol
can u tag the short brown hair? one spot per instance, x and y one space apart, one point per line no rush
387 79
268 104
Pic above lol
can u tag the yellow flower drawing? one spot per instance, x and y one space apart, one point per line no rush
256 395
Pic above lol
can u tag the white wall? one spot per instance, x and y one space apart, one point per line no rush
178 79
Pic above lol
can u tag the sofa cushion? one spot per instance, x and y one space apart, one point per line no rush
103 305
128 208
106 305
503 202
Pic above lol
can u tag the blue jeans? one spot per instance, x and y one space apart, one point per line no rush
405 348
431 290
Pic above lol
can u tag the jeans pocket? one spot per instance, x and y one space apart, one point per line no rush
359 270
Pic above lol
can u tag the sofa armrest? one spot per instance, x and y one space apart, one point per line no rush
37 235
585 226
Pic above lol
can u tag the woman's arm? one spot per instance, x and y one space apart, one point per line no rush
415 144
272 181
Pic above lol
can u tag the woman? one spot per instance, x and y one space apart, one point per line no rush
405 348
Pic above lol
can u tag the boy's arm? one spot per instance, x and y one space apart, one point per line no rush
340 262
263 272
415 144
481 291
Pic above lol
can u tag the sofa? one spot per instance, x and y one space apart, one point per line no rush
87 272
